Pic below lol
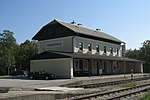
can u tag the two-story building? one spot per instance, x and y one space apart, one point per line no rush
68 50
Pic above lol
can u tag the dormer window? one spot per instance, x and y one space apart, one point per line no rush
81 46
90 47
97 48
111 50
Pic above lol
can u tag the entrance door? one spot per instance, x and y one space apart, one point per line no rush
105 66
98 67
81 65
94 67
90 67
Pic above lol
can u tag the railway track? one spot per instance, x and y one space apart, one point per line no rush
117 94
111 83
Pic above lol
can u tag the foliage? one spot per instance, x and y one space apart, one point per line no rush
142 54
25 51
13 56
7 46
145 55
133 54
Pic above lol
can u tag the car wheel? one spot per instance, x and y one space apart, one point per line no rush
31 77
46 77
53 77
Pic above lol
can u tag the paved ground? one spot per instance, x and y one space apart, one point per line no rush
29 85
26 83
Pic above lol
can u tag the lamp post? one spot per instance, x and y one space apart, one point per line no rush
123 55
8 68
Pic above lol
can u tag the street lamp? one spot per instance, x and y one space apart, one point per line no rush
8 68
123 55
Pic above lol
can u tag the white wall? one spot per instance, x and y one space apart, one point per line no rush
60 67
94 43
141 67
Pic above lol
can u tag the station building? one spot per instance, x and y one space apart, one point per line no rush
69 50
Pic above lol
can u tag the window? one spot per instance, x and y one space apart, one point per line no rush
97 48
104 49
89 47
117 51
111 50
81 46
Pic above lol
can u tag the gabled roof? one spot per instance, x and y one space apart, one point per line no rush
87 31
79 30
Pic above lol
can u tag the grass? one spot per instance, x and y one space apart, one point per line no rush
131 84
13 77
2 87
5 77
147 97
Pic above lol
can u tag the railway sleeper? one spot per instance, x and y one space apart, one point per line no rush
108 83
128 93
120 92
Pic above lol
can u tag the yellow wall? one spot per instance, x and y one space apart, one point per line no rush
94 43
66 44
60 67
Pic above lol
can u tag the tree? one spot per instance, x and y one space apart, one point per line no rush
133 54
12 54
7 46
25 51
142 54
145 55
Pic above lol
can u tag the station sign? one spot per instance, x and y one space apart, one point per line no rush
54 44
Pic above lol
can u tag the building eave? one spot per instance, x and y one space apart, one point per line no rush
56 55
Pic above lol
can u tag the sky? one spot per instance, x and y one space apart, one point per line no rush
128 20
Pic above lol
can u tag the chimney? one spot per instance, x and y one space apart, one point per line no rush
79 24
73 22
98 29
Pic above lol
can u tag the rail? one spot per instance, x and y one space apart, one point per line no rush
116 94
102 84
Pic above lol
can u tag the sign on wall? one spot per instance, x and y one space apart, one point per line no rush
54 44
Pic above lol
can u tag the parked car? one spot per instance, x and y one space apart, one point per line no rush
41 75
4 90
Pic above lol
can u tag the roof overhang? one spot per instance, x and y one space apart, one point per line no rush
56 55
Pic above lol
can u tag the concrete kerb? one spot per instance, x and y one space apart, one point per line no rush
27 95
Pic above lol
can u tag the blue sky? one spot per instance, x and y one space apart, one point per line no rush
128 20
